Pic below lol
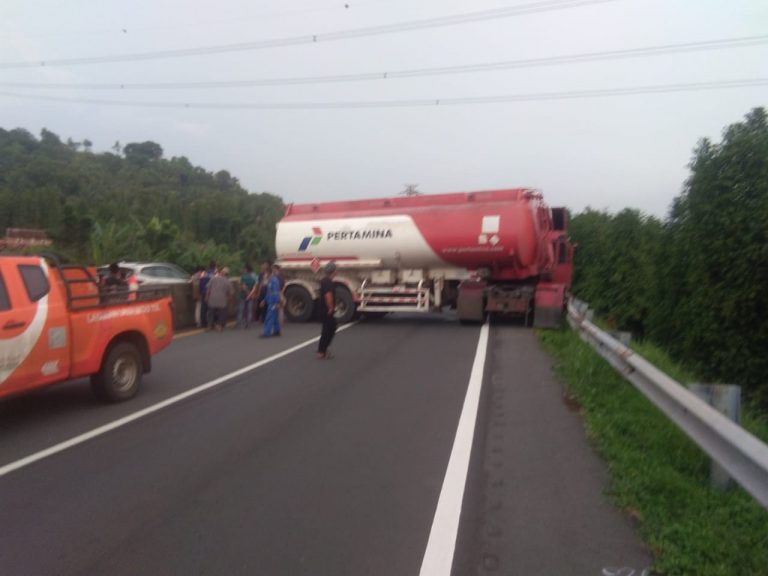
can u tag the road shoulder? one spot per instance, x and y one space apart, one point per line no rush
536 502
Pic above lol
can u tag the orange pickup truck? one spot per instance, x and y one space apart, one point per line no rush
56 324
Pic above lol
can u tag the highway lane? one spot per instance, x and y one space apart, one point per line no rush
300 467
35 421
313 467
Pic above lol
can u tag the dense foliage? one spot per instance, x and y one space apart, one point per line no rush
131 203
698 283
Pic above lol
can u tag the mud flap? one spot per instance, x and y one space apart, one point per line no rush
471 301
549 305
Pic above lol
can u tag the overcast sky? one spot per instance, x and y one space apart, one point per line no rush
607 152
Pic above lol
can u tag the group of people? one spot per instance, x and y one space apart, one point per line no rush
259 297
212 291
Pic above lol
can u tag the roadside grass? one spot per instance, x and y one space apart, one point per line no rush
658 476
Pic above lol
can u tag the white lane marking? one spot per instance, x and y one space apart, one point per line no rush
26 461
438 557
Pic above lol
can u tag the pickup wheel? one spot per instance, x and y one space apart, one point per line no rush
120 374
298 304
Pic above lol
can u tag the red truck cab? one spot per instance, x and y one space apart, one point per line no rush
56 324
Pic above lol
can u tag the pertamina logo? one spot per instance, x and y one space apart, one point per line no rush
313 240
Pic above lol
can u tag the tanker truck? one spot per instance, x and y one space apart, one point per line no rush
490 252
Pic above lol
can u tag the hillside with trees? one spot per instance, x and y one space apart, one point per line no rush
697 283
131 203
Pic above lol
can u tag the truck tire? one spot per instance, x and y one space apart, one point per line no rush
120 375
298 304
345 306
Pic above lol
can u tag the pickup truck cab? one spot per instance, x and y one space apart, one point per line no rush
56 324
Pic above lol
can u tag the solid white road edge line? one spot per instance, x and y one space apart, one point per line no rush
26 461
438 557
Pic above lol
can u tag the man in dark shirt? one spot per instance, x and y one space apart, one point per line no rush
115 281
327 309
205 278
113 284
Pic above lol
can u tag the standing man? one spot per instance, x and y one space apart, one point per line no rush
114 283
195 281
261 292
245 303
205 277
328 307
220 292
272 301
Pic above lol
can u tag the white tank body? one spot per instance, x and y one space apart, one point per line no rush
395 240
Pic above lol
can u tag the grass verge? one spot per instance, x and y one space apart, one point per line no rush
657 474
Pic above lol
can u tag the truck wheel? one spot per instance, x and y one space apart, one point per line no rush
120 375
298 304
345 306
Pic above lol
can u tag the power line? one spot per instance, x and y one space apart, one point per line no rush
414 73
423 102
259 16
484 15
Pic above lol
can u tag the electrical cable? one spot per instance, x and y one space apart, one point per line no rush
422 102
484 15
413 73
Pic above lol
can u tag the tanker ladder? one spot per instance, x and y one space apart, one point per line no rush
395 298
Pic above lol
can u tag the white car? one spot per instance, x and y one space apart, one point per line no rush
148 273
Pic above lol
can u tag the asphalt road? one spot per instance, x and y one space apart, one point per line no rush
311 467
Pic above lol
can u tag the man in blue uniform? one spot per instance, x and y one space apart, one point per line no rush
272 300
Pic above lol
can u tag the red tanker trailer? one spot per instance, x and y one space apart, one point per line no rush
497 251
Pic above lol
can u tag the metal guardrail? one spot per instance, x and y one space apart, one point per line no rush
740 453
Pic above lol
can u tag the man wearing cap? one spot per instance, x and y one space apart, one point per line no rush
327 308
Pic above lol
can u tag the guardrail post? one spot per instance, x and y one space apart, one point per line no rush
726 399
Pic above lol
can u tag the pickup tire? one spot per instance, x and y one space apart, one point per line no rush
120 375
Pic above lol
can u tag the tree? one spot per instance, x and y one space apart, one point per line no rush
715 278
142 153
48 138
102 207
615 266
